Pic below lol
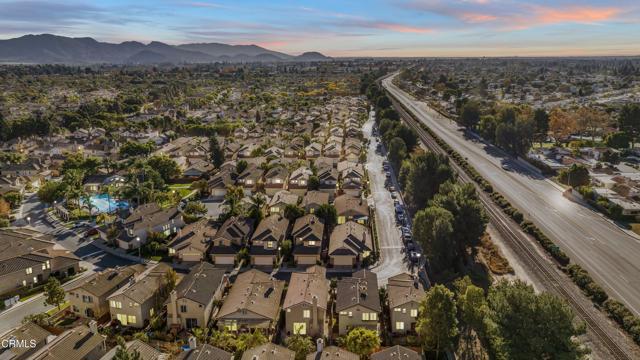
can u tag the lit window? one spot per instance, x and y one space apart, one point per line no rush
306 314
399 325
414 312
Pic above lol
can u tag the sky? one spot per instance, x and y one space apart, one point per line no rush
346 28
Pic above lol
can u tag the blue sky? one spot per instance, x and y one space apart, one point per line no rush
347 27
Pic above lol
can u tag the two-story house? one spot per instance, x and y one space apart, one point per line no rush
232 236
190 305
349 244
405 293
266 240
306 303
190 244
307 237
89 299
252 303
135 304
358 302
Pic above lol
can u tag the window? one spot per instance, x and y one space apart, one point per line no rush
183 308
231 325
115 304
131 319
414 312
299 328
399 325
29 270
306 314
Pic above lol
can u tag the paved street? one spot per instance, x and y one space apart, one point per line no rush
609 253
393 260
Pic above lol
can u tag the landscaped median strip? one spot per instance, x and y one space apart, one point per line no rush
615 309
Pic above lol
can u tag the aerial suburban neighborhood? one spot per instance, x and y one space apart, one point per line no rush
411 192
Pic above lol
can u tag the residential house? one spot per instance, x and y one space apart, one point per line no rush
404 293
190 305
205 352
79 343
219 184
349 244
358 302
27 333
269 351
252 303
146 219
267 239
89 299
328 179
313 200
280 200
351 208
332 353
275 179
396 353
28 258
313 150
249 179
146 351
299 180
191 242
306 303
198 169
136 303
307 237
232 236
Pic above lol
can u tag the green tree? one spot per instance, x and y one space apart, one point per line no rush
576 175
292 212
470 114
216 153
424 175
362 341
397 152
50 191
165 166
123 354
328 214
302 345
53 292
437 324
433 230
525 325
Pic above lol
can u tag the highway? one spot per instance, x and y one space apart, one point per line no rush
609 253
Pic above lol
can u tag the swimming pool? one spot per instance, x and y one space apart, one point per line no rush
103 203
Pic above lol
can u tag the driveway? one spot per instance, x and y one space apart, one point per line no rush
392 256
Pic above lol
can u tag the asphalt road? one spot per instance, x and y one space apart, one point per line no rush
609 253
393 260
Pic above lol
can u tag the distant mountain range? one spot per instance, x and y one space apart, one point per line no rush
53 49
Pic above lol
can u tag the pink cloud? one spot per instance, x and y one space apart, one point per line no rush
576 14
401 28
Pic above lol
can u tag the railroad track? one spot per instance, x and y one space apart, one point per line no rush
522 245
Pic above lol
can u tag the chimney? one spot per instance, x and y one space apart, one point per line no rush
192 342
173 303
93 326
319 345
